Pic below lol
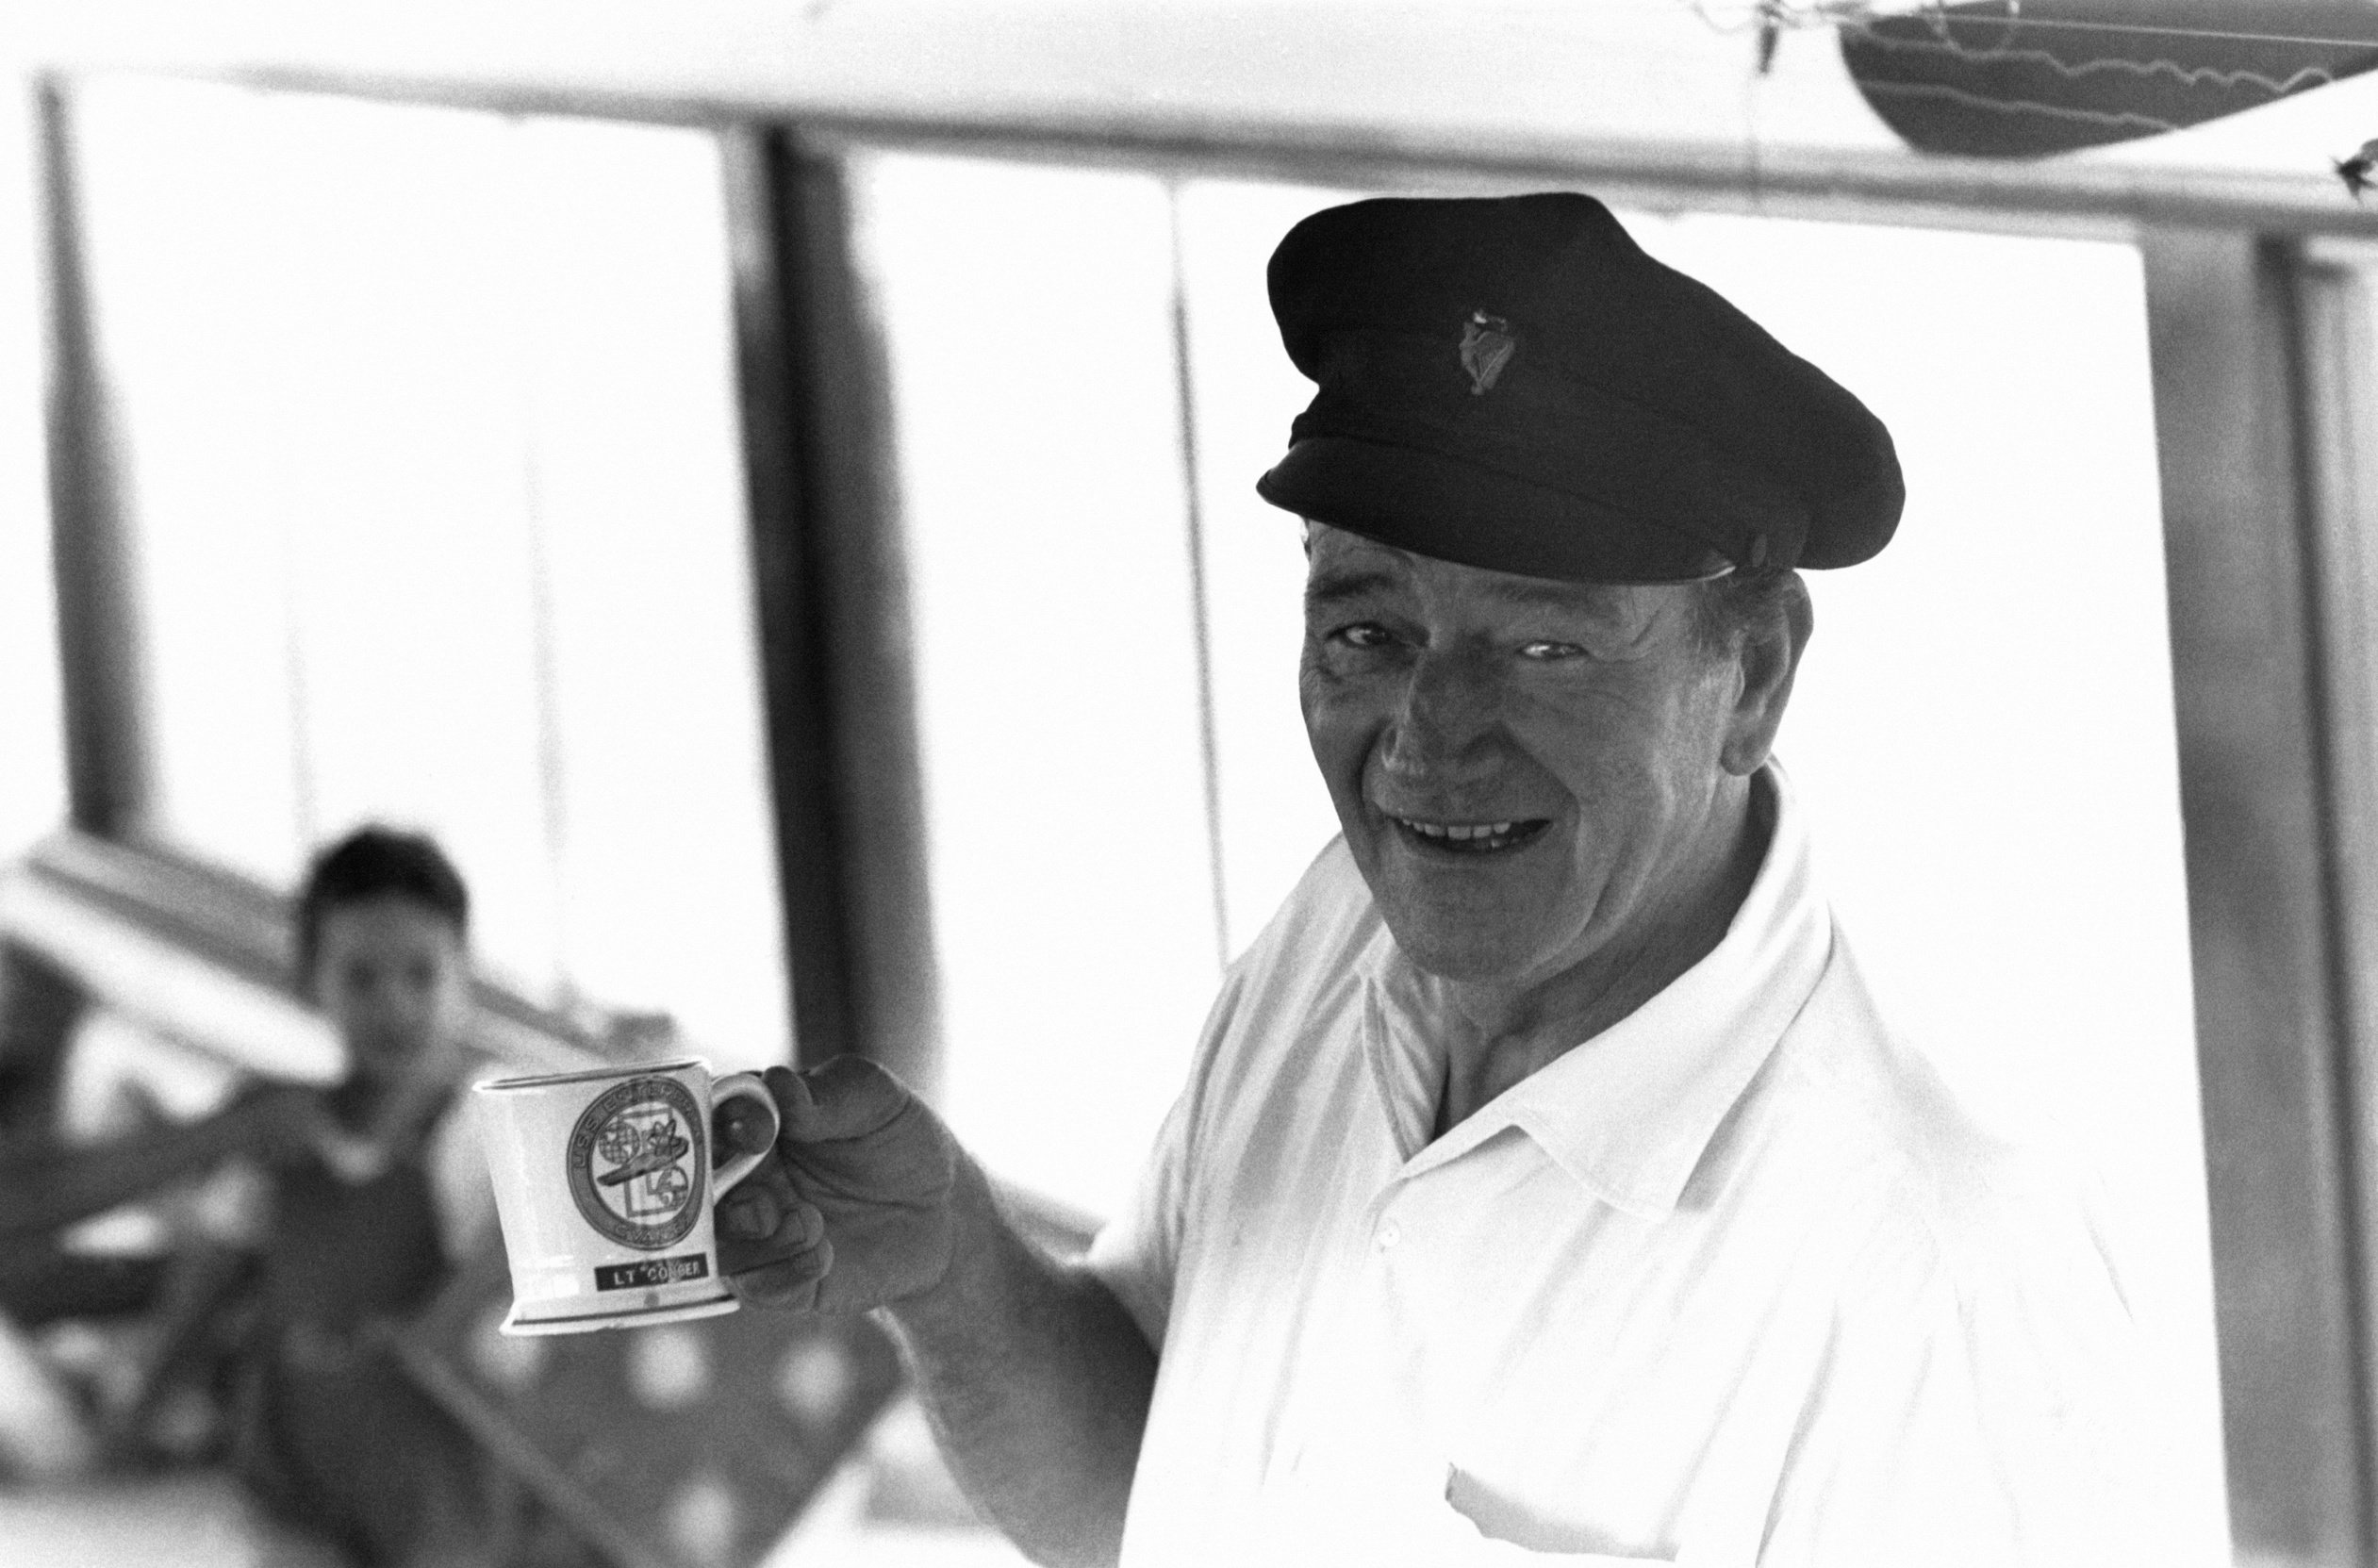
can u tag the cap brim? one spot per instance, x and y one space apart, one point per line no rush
1441 506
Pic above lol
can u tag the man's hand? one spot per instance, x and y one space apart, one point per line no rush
855 1209
1036 1379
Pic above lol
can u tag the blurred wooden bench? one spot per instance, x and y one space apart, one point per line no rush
691 1445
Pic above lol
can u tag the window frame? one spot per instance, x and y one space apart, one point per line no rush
2273 663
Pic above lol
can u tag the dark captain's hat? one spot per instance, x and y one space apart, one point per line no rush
1511 382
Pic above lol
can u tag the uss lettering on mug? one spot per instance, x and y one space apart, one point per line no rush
603 1186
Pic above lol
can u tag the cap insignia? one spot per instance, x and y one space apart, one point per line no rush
1487 346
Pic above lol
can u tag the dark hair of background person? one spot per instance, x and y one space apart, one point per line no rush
370 863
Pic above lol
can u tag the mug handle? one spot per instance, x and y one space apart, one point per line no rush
747 1086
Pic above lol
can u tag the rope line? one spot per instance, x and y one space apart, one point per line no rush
2185 75
1862 15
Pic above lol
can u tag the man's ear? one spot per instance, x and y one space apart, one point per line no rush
1767 656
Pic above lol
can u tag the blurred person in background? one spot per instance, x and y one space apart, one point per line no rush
59 1420
47 1183
1546 1186
360 1228
359 1201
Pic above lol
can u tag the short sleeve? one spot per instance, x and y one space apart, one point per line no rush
1981 1406
1137 1253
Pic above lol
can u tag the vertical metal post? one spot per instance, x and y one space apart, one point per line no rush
1200 606
833 609
2260 811
2339 356
98 650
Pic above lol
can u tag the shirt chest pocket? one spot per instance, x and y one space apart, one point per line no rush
1543 1533
1671 1449
1535 1543
1631 1493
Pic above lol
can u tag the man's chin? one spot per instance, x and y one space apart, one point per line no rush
1459 955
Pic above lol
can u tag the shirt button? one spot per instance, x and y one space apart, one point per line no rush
1389 1234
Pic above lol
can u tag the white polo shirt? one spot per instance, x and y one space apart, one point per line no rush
1733 1281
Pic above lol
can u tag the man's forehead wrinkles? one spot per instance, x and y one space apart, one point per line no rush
1350 566
1336 585
1534 593
1328 585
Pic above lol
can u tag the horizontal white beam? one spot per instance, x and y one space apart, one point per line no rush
1632 96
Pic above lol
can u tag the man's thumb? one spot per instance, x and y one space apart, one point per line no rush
844 1096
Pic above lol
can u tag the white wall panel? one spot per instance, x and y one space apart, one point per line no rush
32 740
1276 812
1028 318
1983 727
661 811
439 519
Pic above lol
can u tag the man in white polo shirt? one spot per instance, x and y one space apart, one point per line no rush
1546 1186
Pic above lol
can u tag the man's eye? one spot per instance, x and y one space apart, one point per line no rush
1543 650
1363 634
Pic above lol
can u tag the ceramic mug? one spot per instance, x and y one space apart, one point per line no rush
603 1187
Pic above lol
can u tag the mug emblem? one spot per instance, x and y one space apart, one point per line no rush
1487 346
635 1163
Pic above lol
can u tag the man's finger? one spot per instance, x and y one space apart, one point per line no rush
749 1213
790 1284
738 1127
846 1096
763 1226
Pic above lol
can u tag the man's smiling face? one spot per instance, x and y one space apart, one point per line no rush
1528 772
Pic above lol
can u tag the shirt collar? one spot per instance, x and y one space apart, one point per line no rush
1629 1113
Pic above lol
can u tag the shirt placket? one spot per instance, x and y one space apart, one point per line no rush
1351 1395
1367 1405
1341 1400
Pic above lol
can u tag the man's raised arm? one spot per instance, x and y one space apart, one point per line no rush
1035 1378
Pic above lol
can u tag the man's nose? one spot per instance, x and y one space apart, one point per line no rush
1449 710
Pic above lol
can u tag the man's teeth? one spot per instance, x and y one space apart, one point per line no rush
1472 838
1458 831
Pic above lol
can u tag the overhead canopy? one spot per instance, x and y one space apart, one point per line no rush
2014 79
1681 94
